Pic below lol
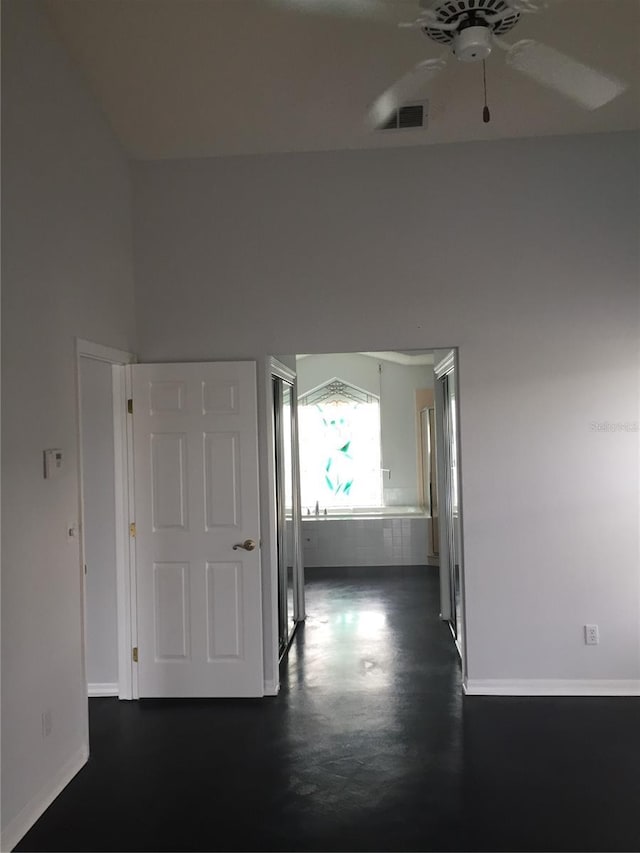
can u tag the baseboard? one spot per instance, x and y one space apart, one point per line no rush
271 688
36 807
106 689
551 687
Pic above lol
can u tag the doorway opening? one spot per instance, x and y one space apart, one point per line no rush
375 426
448 476
364 459
104 490
378 458
290 579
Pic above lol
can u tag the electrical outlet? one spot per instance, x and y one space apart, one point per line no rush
47 723
591 635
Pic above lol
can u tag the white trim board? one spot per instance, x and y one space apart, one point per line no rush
87 349
125 555
406 357
108 689
119 361
271 688
445 365
551 687
281 370
38 804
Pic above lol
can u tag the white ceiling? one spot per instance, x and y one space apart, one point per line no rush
195 78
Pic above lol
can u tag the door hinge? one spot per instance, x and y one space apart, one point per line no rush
130 406
132 529
134 654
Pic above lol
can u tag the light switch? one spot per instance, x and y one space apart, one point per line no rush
52 462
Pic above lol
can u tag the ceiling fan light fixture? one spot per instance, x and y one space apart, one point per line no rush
472 44
470 29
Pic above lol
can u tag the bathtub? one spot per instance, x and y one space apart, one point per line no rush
367 536
367 512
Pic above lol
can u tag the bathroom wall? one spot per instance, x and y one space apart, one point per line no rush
396 386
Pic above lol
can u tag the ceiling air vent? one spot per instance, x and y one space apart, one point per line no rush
408 117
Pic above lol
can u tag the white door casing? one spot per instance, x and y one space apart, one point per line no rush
196 496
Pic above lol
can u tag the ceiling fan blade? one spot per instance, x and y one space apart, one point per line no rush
527 6
373 10
409 87
431 22
516 6
573 79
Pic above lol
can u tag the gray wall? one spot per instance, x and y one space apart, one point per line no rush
66 272
396 387
522 253
98 493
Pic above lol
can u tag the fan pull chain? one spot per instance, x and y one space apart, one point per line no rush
486 115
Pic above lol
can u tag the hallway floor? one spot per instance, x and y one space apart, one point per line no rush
369 746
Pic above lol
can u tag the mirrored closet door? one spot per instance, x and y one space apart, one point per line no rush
290 574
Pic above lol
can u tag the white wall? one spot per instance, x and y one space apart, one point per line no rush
522 253
396 387
66 272
98 492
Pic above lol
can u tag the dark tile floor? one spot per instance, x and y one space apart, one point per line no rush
369 746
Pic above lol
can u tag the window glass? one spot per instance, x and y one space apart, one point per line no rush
339 447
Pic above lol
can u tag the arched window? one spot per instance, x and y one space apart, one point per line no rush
339 427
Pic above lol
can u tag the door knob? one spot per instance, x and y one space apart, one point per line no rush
247 545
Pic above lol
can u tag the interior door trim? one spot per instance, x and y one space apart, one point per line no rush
281 371
447 365
120 361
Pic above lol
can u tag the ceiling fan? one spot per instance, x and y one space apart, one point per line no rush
471 29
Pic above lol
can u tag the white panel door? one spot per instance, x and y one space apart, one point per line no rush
196 497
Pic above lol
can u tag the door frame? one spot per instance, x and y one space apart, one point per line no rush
283 372
121 362
428 471
281 520
281 526
125 575
447 365
275 368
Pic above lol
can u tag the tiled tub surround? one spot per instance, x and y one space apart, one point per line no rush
390 536
365 511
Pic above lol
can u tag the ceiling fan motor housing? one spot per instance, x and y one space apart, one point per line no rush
473 34
472 44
